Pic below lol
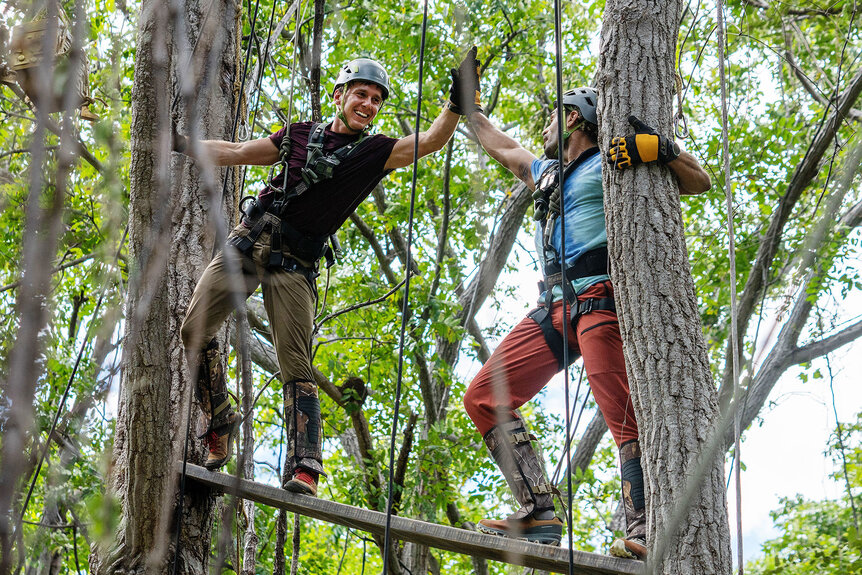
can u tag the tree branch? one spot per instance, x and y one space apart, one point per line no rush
769 244
785 352
69 264
378 250
54 128
483 351
358 306
443 234
401 462
826 345
762 5
499 248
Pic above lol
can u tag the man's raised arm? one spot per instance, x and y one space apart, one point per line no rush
431 140
503 148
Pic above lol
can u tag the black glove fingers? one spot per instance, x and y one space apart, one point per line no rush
640 127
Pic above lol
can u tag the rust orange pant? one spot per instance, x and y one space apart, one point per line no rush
523 364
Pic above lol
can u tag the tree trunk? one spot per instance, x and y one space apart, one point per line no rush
666 355
171 238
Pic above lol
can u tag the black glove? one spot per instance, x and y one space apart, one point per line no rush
179 143
464 95
645 145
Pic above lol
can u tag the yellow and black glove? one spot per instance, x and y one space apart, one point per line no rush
645 145
464 95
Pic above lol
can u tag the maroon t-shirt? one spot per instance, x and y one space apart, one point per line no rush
326 205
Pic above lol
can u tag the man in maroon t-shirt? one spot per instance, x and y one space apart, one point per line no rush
280 240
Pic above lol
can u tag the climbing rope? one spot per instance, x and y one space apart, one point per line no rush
734 335
405 308
558 41
556 476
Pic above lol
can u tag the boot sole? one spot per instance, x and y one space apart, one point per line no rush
299 487
619 549
542 535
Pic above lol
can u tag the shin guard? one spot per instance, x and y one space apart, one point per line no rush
211 389
634 501
304 426
511 449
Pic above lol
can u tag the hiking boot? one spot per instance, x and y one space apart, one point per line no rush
303 481
220 443
545 531
634 548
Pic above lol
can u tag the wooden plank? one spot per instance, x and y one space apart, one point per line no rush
554 559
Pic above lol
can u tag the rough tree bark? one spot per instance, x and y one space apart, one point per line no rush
172 207
666 356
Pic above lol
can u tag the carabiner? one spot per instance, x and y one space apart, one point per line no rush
680 126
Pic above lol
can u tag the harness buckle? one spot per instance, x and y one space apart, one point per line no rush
521 437
543 488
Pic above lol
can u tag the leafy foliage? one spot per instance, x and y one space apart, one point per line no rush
820 536
773 121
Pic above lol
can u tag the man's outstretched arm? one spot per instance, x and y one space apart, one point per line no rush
431 140
503 148
260 152
692 178
646 145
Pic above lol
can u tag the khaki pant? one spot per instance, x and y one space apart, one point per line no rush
288 297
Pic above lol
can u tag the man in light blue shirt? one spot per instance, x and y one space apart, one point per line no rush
532 353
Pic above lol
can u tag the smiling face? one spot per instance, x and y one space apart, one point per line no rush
358 104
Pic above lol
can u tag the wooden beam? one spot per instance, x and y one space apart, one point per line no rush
554 559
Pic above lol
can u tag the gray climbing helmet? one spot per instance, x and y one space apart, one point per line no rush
584 99
365 70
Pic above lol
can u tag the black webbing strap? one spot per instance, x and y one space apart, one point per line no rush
591 263
319 166
553 338
245 243
585 306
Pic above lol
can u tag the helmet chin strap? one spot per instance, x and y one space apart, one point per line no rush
575 128
343 118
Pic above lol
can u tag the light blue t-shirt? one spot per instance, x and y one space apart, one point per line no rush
585 214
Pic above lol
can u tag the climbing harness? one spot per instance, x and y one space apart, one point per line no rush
319 166
542 316
591 263
548 206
